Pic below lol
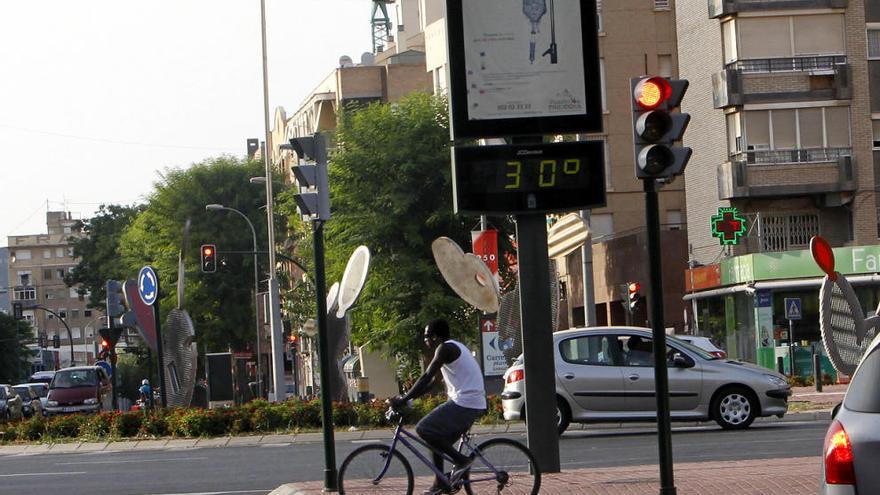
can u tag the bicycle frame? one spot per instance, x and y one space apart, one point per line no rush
402 436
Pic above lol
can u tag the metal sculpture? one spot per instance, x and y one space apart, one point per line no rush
510 318
180 353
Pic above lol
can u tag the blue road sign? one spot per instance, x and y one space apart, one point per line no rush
793 308
148 285
106 366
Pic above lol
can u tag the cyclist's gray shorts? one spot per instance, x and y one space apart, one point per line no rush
448 421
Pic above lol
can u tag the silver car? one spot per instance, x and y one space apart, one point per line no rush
852 443
10 403
607 374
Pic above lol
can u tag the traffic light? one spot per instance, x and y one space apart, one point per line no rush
633 289
17 311
56 341
656 127
116 304
293 340
109 337
103 350
313 201
209 258
42 340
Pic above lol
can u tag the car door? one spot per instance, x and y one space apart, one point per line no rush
589 373
685 383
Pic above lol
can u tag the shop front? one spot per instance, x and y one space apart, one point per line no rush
742 303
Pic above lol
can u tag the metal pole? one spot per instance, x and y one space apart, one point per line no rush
274 299
324 356
590 319
817 371
791 346
159 354
661 377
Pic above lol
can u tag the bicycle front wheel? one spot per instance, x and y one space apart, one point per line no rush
364 471
509 467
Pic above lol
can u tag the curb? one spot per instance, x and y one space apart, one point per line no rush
344 435
288 489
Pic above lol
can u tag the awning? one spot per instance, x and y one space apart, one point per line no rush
718 292
795 283
349 362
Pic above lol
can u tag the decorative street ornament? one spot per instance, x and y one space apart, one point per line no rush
728 226
534 10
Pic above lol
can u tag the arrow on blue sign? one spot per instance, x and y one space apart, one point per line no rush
147 285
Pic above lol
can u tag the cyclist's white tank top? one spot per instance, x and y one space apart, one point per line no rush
464 380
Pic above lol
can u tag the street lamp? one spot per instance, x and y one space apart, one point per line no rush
69 333
216 207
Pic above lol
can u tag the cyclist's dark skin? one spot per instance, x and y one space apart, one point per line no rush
444 353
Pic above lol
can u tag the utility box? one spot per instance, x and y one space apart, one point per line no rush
220 383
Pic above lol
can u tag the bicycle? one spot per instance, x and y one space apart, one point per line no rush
500 465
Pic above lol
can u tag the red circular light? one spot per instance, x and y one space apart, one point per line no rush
650 93
634 287
823 255
208 251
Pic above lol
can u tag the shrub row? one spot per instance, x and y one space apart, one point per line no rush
255 417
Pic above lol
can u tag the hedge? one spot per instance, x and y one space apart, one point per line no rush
258 416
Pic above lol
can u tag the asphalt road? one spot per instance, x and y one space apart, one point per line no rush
259 470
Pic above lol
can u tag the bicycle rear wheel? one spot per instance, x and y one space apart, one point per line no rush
360 469
515 469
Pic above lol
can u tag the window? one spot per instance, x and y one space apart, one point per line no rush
47 274
62 313
674 220
75 332
601 224
23 254
87 313
874 43
593 350
47 254
661 4
788 231
59 252
728 33
664 65
24 278
25 294
74 313
875 124
73 293
600 26
791 129
602 84
785 36
60 272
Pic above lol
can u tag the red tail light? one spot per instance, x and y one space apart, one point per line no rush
839 468
515 376
719 354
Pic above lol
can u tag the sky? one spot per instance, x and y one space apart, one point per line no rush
99 97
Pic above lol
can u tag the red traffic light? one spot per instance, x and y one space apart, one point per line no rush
651 92
634 287
207 250
105 344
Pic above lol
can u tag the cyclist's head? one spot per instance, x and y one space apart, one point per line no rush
436 330
145 382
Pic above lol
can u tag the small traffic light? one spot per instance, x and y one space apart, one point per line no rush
633 289
17 311
209 258
313 201
109 336
293 340
115 300
656 127
42 341
56 341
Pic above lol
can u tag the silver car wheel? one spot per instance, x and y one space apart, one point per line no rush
735 409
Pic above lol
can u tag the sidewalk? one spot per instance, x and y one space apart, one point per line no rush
792 476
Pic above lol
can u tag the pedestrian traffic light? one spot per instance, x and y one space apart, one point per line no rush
656 127
209 258
633 289
56 341
313 200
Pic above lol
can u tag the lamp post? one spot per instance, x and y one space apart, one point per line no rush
69 333
216 207
274 299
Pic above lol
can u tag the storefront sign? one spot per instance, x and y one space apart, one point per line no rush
494 362
728 226
702 277
796 264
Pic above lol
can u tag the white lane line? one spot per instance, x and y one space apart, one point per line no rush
215 493
40 474
271 445
133 461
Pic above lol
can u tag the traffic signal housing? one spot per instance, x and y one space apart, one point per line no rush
656 127
56 341
633 290
209 258
313 200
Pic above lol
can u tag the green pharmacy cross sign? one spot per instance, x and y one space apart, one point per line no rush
728 226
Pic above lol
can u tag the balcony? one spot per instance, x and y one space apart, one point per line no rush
719 8
780 173
822 77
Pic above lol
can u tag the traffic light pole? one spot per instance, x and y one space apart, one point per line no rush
159 353
324 351
661 376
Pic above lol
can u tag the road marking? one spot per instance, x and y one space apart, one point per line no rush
288 444
366 441
133 461
40 474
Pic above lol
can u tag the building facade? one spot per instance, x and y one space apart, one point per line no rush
782 98
38 264
5 290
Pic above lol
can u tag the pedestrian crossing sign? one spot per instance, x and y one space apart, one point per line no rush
793 308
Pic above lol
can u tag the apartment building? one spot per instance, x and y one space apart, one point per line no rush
37 266
782 98
5 305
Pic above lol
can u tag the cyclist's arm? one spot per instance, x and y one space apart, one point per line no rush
445 353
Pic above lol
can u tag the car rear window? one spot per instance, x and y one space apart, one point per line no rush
863 394
23 392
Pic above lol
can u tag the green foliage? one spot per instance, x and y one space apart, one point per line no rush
126 424
14 354
98 252
221 303
64 426
391 190
131 368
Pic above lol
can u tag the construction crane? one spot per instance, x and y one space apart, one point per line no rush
381 24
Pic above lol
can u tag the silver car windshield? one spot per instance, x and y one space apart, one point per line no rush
699 351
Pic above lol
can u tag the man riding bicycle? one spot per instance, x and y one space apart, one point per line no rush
443 426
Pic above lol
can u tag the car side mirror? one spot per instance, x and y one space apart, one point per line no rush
680 361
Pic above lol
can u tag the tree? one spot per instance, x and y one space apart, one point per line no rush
98 252
221 303
14 354
391 190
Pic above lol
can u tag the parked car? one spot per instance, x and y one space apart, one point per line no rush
79 389
41 377
607 374
30 400
42 390
704 343
10 403
852 442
